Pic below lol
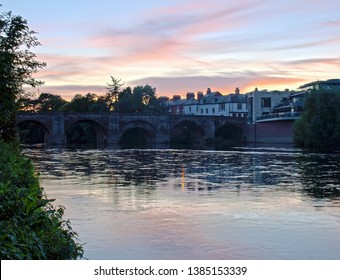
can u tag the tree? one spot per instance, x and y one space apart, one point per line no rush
112 94
124 100
142 99
50 102
318 128
17 65
88 103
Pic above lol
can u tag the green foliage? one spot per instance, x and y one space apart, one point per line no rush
142 99
44 103
88 103
319 126
30 227
50 102
17 64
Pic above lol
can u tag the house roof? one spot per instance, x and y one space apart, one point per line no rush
182 102
210 98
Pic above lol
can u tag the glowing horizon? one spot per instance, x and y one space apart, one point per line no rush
183 46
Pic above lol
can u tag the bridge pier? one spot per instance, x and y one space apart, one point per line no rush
113 129
57 130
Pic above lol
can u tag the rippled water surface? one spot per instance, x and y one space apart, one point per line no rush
184 204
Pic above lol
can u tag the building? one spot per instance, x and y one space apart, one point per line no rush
176 105
262 102
216 104
293 104
328 84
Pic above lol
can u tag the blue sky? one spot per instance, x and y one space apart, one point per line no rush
181 46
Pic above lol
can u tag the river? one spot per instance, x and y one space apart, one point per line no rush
244 203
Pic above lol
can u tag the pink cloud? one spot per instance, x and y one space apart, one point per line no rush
193 45
69 91
169 36
245 81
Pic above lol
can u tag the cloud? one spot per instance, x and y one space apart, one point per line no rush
168 35
192 45
226 84
69 91
315 61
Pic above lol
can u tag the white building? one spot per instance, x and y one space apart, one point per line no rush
216 104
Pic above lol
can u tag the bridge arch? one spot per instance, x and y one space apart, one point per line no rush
137 134
229 133
85 131
31 131
187 132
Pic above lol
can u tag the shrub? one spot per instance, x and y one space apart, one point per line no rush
30 227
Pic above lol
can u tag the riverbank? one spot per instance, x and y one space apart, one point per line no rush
30 227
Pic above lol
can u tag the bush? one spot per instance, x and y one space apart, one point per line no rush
318 128
30 227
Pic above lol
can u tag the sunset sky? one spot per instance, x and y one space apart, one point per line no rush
183 45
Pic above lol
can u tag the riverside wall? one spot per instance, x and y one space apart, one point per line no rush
276 132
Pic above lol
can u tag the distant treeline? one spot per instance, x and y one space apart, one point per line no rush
140 99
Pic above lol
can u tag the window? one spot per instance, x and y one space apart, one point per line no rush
201 111
266 102
207 111
213 110
239 106
222 107
190 109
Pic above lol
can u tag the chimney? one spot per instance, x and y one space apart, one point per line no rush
163 99
190 95
237 91
208 90
176 97
199 95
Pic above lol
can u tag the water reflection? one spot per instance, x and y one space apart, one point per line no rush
245 203
320 175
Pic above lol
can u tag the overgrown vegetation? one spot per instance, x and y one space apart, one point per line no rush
30 227
318 128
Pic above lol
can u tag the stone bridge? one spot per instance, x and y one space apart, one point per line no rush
111 127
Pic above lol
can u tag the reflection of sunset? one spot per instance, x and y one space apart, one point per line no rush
181 204
183 178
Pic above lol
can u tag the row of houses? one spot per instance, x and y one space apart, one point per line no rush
209 104
258 105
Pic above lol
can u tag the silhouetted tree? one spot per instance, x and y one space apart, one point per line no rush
124 100
112 94
17 64
142 99
50 102
88 103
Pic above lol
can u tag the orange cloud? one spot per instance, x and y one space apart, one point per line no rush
192 45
